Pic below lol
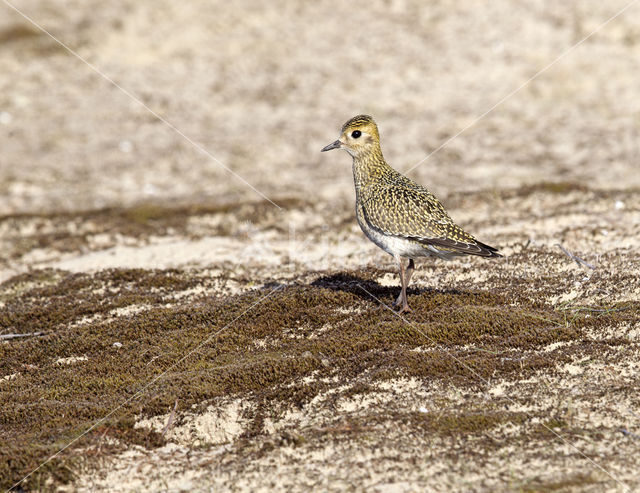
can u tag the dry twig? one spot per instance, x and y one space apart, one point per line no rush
575 258
7 337
171 417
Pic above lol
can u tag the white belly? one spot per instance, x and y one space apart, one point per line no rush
397 246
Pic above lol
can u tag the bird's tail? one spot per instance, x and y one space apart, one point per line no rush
486 250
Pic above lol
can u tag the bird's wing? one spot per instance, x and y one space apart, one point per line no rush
415 213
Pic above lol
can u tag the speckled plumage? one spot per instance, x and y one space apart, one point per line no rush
400 216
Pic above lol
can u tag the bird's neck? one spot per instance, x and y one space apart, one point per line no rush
369 167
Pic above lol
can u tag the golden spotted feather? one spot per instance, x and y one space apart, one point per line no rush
404 209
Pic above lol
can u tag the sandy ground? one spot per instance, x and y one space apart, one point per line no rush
91 179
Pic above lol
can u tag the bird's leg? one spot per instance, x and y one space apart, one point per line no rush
398 302
409 271
405 276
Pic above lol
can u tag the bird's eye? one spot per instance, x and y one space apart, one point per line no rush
356 133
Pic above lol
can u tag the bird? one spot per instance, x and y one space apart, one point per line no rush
400 216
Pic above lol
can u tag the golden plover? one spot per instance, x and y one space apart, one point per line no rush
403 218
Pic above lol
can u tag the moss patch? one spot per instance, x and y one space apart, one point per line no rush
260 343
70 232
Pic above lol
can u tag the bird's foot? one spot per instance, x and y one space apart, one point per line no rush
405 309
401 305
400 301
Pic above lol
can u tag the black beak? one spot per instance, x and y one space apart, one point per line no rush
334 145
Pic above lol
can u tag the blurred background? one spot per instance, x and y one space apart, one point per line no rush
263 86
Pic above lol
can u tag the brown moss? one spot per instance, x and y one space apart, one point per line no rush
26 36
206 347
19 32
571 482
469 422
68 232
560 187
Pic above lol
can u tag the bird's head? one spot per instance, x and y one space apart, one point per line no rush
359 136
